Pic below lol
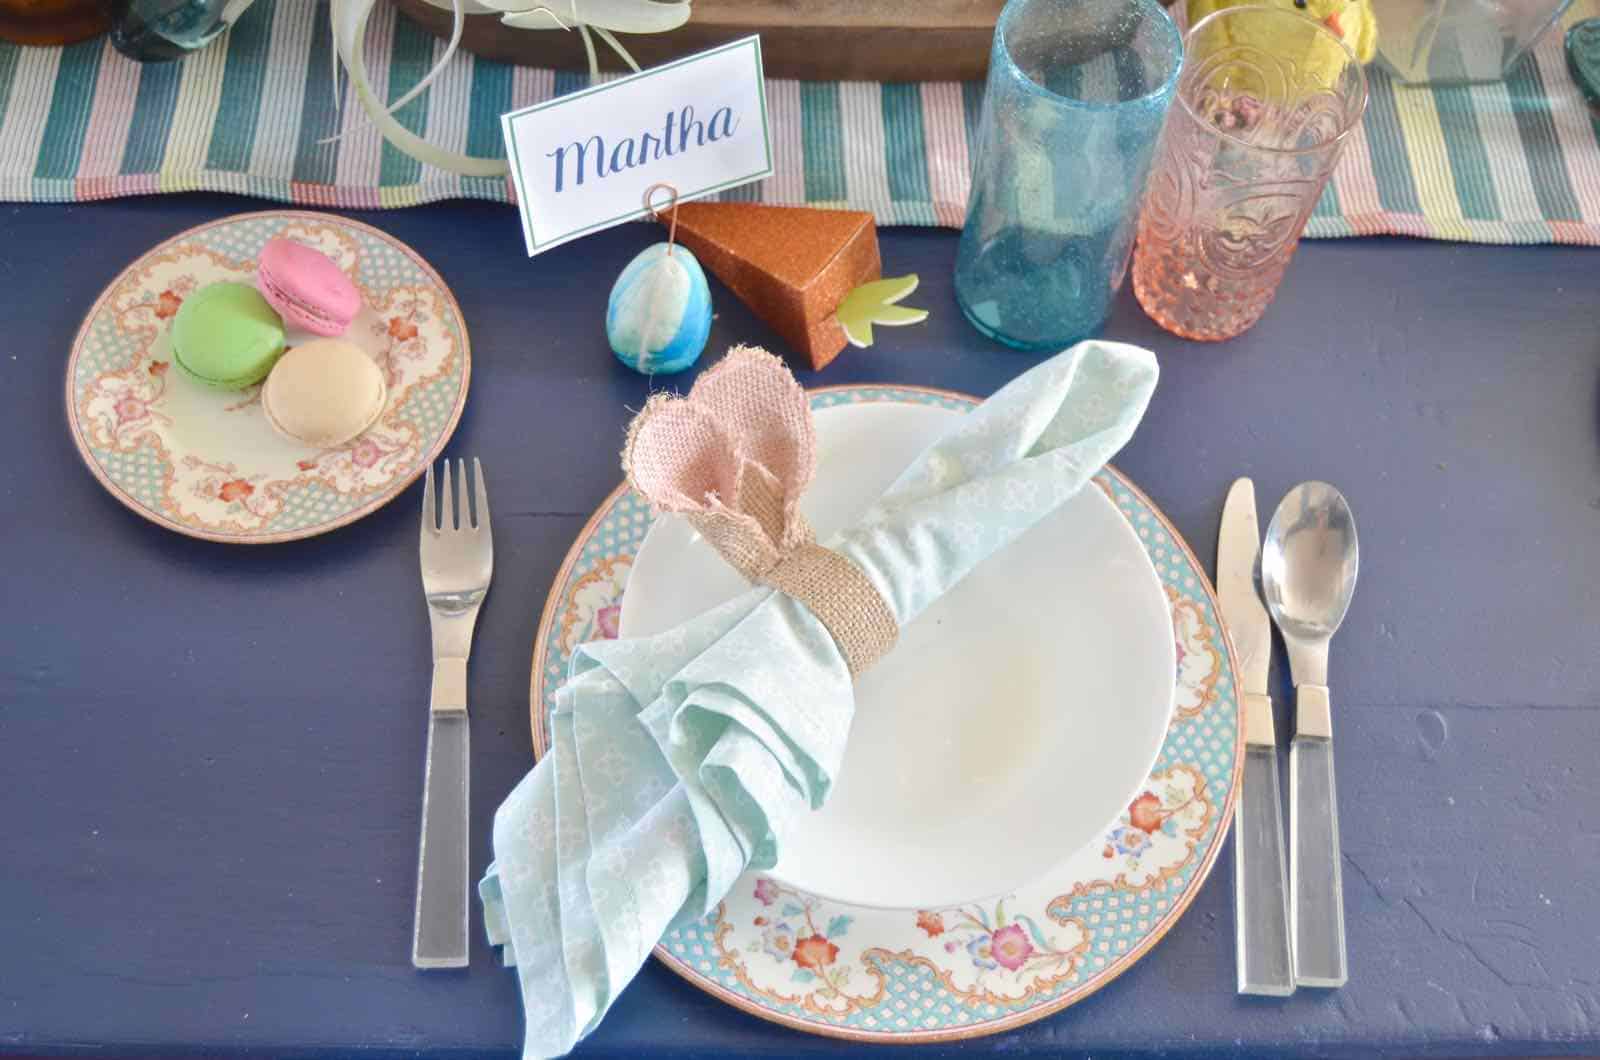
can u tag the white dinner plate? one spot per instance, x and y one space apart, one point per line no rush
1013 721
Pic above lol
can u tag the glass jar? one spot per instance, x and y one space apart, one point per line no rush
1456 41
158 30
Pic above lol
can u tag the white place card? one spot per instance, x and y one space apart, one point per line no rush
582 162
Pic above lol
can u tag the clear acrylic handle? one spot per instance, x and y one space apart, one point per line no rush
1318 902
1261 894
440 936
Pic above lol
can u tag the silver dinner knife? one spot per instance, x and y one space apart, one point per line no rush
1260 880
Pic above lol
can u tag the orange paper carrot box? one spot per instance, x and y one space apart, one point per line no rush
791 265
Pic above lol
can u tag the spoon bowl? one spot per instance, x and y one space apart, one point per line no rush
1309 562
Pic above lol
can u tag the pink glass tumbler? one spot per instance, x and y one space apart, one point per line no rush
1265 103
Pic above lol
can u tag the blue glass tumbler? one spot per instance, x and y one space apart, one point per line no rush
1076 96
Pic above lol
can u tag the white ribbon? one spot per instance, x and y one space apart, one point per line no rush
604 17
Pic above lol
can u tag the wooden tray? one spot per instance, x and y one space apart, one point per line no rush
817 40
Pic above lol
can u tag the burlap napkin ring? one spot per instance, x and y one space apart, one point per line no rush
734 458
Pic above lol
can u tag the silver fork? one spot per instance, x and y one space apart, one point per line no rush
457 562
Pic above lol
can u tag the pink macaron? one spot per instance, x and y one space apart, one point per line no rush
307 289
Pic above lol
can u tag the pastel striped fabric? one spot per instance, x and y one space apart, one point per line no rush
1515 162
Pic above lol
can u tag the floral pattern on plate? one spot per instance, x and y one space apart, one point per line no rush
1199 657
204 462
926 974
593 608
798 949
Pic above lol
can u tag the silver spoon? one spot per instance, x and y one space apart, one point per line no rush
1308 574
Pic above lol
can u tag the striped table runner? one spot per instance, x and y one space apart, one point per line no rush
1517 162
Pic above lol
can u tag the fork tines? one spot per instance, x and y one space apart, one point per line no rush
459 511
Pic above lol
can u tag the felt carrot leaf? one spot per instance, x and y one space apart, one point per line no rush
874 303
898 315
885 291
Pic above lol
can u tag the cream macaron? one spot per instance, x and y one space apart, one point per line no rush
324 393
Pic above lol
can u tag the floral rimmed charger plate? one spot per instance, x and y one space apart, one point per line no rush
205 462
869 972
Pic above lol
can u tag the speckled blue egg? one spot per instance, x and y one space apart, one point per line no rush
659 314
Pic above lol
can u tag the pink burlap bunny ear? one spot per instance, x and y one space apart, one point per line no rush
766 412
734 456
679 456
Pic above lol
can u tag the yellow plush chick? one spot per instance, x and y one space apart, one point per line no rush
1352 20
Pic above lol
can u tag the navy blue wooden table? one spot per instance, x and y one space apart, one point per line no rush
211 757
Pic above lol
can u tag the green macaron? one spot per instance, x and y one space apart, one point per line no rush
226 336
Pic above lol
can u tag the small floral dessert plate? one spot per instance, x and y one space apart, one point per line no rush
914 972
205 462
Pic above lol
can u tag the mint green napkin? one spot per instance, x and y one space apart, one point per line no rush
679 761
